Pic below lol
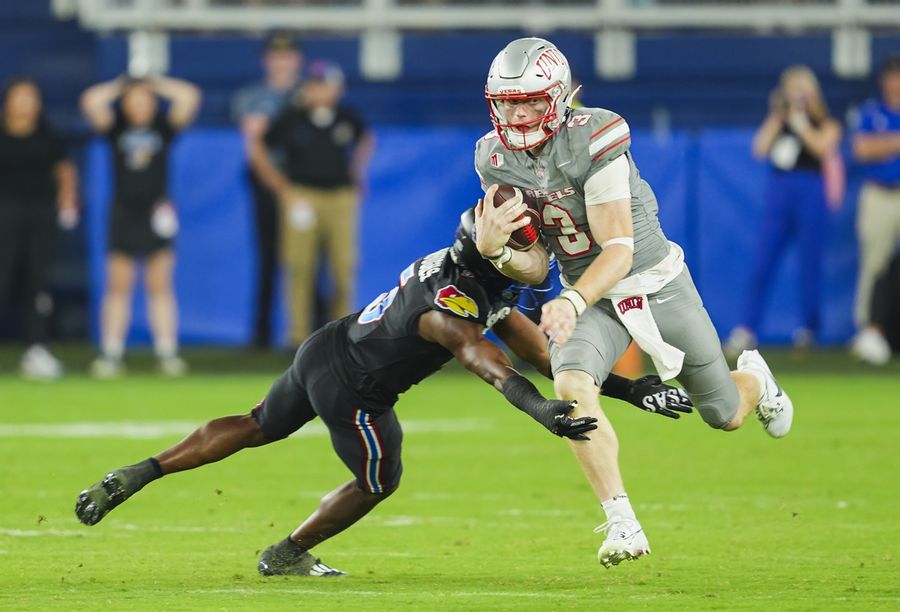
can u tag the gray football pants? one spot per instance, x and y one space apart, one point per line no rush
600 339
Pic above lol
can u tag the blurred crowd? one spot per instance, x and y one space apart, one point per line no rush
307 154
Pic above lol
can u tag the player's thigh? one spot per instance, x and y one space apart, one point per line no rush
368 442
684 323
596 344
286 408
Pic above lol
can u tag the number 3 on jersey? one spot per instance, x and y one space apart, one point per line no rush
572 241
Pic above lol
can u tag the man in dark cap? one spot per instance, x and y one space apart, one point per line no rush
326 149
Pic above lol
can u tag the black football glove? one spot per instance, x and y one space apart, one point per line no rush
651 394
554 415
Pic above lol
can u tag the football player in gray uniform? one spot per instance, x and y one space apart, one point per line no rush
622 277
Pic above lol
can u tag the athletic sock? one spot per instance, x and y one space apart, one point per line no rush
165 348
113 348
293 546
618 507
141 474
156 466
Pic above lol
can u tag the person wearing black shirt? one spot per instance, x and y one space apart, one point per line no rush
142 221
799 139
350 372
325 147
38 187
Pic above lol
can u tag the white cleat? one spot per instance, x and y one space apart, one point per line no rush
625 541
39 364
871 347
173 367
775 409
107 368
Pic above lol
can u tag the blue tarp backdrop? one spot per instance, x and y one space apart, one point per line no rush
710 192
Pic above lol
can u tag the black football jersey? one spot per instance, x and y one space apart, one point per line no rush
385 352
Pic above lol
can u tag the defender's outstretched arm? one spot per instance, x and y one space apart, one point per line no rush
465 340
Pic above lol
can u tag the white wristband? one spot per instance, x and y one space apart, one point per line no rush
628 242
576 299
500 260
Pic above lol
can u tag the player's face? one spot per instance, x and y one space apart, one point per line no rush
139 105
317 94
526 111
282 66
23 102
890 86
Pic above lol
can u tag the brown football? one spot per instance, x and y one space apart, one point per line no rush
523 238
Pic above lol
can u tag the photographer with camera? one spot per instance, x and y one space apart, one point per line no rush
799 139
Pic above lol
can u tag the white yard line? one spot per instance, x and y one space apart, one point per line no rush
164 429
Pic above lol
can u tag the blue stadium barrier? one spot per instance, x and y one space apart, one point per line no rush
709 188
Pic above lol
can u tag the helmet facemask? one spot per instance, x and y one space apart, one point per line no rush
521 136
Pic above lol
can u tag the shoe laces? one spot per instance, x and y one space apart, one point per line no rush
610 525
767 412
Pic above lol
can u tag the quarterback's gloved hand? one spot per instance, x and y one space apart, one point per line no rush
552 414
651 394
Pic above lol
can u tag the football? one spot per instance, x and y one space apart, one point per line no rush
524 238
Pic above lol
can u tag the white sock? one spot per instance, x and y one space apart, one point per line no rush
618 507
113 348
165 348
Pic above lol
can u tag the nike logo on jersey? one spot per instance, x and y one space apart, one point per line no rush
664 300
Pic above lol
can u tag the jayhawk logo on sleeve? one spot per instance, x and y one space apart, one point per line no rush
452 299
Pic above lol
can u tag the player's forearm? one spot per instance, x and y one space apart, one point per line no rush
525 340
266 170
765 136
67 183
611 266
872 148
529 267
185 98
97 100
822 140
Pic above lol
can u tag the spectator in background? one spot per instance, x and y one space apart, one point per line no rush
799 139
143 222
326 148
38 189
253 108
876 145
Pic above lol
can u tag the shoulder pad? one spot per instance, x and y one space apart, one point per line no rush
609 137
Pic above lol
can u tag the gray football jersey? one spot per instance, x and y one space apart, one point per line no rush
588 140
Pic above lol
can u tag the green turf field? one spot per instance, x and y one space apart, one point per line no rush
493 513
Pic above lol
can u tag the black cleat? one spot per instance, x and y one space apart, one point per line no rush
100 498
287 559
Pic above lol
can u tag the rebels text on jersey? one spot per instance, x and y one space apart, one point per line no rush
385 355
588 140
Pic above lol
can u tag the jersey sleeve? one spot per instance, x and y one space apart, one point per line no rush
484 154
609 137
456 295
865 122
274 136
609 183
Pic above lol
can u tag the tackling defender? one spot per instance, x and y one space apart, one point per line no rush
622 278
350 373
